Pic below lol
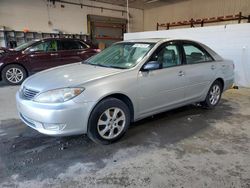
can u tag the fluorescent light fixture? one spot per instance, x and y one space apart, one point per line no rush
151 1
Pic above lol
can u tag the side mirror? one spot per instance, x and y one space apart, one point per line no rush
151 65
26 51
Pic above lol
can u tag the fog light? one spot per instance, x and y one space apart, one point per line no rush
54 127
38 125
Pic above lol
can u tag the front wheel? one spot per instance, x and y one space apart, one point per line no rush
108 121
213 95
13 74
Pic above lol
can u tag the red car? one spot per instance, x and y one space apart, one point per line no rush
18 63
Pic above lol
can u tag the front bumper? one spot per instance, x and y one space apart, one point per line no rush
0 71
64 119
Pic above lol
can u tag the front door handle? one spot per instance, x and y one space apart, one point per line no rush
213 67
54 54
181 73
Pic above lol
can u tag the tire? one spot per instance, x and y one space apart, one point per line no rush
13 74
106 130
213 96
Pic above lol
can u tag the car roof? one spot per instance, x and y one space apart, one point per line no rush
157 40
61 38
149 40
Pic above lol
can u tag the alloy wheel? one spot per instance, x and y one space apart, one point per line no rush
14 75
111 123
214 94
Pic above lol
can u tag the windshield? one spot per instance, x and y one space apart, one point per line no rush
121 55
24 45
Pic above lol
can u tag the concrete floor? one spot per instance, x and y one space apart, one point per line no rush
186 147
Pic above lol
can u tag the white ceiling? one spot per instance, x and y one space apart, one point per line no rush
141 4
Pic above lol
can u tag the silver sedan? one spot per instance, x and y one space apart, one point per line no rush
124 83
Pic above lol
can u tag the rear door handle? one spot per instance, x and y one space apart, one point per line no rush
55 54
181 73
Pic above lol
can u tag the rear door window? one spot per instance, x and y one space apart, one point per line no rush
195 54
70 45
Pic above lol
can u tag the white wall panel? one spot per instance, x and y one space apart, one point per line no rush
230 41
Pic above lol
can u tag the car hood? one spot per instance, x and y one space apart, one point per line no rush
7 51
67 76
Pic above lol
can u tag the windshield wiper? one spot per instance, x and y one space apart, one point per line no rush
98 65
86 62
117 67
101 65
109 66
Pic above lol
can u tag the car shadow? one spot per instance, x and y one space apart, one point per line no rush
3 84
31 154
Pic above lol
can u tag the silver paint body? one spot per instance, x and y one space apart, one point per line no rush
150 92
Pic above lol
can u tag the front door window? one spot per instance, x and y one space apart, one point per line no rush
47 46
167 56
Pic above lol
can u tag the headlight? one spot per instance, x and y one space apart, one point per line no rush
58 95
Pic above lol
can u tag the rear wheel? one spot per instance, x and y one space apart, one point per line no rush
108 121
213 95
13 74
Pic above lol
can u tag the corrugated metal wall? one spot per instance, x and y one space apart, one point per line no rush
187 9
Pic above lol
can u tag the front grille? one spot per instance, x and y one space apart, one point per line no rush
28 93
